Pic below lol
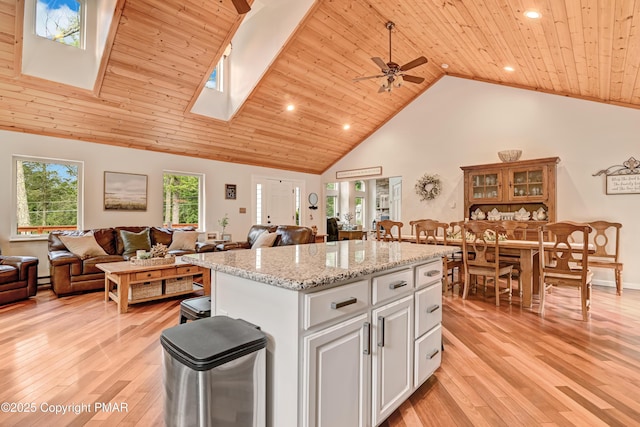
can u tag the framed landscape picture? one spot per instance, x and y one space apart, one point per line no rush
125 191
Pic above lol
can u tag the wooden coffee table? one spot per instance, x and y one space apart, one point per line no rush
119 276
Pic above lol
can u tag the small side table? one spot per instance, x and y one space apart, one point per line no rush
195 308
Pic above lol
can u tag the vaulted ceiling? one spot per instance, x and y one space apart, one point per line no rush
160 53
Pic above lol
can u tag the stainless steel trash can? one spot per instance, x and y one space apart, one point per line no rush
214 373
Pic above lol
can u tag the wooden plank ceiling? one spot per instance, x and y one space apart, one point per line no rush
161 52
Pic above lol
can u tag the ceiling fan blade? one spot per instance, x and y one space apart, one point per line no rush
412 79
357 79
241 6
380 63
418 61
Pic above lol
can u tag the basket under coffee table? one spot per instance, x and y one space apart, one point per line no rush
119 277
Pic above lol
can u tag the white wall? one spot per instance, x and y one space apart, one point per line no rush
98 158
461 122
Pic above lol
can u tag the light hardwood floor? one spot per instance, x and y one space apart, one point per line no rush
501 365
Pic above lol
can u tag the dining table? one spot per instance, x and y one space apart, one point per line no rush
526 251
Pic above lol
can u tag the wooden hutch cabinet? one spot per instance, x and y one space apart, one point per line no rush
509 187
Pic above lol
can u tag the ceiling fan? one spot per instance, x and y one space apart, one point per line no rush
242 6
394 73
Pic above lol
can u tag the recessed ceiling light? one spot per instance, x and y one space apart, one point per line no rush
532 14
509 68
445 66
346 127
291 107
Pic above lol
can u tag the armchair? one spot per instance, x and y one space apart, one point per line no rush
18 278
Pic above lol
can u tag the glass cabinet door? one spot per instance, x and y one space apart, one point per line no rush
485 186
528 184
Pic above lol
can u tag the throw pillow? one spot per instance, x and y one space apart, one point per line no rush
264 240
135 241
184 240
83 246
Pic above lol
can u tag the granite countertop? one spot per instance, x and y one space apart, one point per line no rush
303 267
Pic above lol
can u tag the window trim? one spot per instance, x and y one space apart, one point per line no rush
14 236
201 195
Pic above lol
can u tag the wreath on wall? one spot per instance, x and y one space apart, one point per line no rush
428 187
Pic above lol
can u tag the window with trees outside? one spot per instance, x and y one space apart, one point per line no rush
331 199
60 21
47 195
182 195
359 202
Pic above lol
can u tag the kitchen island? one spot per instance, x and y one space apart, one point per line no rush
353 326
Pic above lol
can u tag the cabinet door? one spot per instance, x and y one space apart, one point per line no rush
336 375
392 351
528 184
485 186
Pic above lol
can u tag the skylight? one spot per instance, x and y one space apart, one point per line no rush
79 30
60 20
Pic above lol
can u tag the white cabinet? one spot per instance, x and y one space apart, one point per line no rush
392 356
336 375
346 354
428 329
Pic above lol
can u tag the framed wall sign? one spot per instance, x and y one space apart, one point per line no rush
622 179
230 191
356 173
623 184
125 192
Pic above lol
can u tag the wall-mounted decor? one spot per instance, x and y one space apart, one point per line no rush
125 191
356 173
428 187
313 201
622 179
230 191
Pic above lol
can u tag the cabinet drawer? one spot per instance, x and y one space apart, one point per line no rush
428 308
392 284
428 355
428 273
145 275
187 270
320 307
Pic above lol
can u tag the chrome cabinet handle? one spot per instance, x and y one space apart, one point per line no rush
432 273
433 308
367 338
398 284
432 355
344 303
381 335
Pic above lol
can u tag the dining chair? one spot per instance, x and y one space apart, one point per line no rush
565 263
606 240
435 232
481 254
514 230
385 230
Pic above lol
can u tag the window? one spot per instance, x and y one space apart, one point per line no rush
182 195
47 196
216 79
331 200
258 203
60 21
359 202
